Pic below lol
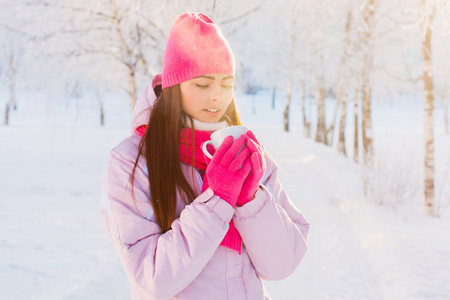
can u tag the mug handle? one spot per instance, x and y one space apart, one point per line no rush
205 150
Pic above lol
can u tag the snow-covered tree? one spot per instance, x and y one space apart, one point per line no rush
292 33
428 8
13 47
366 39
344 80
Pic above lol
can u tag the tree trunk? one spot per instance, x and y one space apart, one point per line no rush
355 113
102 116
274 94
321 133
306 123
100 104
12 88
341 143
333 124
428 118
127 59
366 123
343 83
132 87
290 71
288 104
7 113
366 89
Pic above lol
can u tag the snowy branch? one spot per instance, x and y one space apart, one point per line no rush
245 14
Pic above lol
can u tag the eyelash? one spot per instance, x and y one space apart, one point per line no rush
206 86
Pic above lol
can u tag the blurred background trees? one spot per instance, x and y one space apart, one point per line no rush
323 55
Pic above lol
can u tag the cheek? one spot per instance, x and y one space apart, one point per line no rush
229 96
188 105
186 97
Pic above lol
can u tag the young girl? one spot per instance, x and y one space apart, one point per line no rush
184 226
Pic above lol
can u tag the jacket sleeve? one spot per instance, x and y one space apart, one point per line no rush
160 265
273 230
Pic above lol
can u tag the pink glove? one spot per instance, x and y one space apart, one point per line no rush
253 180
227 170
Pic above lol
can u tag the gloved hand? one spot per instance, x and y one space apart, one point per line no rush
253 180
227 170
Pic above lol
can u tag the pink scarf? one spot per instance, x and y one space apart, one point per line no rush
232 238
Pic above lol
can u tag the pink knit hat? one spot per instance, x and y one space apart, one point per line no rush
195 47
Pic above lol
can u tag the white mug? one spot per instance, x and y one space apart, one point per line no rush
218 136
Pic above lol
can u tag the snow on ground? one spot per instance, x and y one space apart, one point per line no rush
53 244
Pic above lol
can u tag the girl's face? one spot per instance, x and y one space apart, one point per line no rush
206 97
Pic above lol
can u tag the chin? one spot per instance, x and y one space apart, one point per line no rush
210 119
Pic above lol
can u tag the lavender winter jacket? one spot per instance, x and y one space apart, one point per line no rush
187 262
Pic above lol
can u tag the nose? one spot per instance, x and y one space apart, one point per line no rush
216 93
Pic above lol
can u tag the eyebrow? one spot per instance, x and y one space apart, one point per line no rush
212 77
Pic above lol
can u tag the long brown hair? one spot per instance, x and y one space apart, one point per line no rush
160 146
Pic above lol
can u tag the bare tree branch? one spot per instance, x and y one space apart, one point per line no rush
11 29
151 23
397 77
245 14
72 8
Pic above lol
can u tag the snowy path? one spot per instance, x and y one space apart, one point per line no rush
335 266
356 250
53 244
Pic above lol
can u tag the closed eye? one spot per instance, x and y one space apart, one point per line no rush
202 86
